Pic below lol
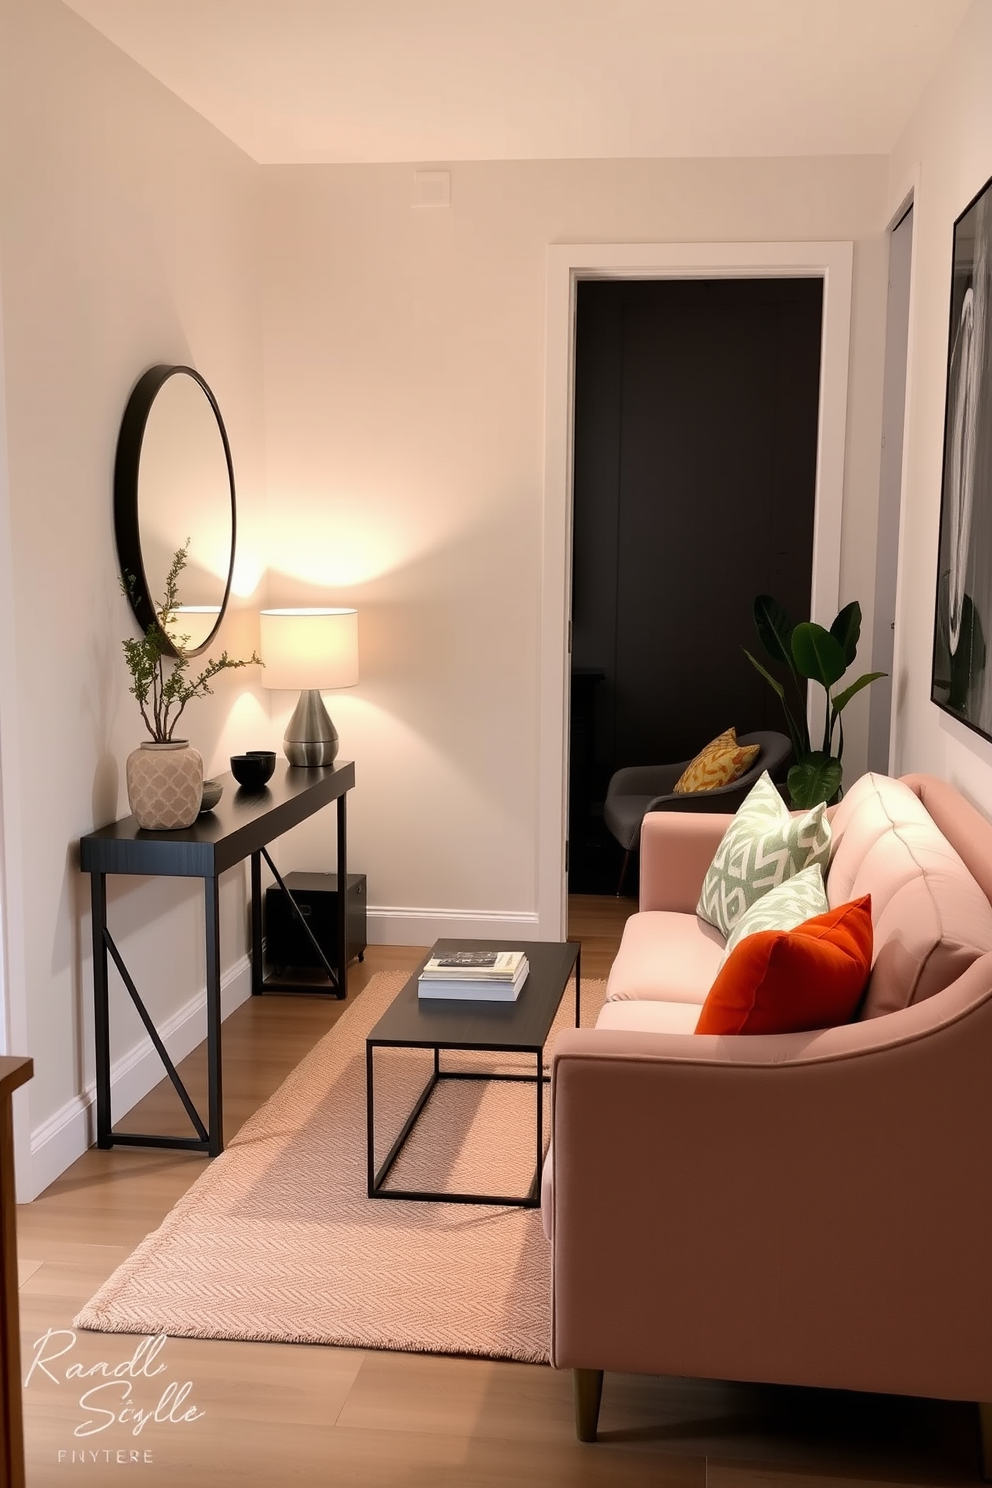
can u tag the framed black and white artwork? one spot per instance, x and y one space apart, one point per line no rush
962 684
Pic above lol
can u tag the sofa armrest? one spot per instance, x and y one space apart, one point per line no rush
809 1209
676 850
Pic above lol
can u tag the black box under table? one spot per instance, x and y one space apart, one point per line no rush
287 944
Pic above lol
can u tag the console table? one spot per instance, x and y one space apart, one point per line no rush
13 1072
241 826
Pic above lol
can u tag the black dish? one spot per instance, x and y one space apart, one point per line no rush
253 770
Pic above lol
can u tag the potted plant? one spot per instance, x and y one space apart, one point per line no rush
818 655
165 774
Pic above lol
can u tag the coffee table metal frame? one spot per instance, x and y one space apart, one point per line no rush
472 1027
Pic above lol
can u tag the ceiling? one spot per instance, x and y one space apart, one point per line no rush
446 80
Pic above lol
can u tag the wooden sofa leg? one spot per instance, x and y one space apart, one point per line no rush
587 1389
985 1439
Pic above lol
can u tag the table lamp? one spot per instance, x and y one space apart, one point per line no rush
312 650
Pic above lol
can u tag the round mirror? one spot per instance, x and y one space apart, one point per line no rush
173 489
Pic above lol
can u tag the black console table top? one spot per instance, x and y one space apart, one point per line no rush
241 822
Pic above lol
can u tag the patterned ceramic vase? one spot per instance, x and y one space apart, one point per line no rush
164 785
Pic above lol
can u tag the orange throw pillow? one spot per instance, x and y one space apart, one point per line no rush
721 763
790 981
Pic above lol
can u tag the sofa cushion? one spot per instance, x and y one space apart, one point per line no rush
872 808
931 918
667 956
790 981
783 908
763 845
721 762
649 1017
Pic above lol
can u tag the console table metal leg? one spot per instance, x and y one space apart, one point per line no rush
342 898
256 924
101 1008
211 907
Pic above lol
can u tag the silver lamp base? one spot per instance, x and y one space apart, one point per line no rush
310 737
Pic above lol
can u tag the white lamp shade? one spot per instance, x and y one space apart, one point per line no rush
304 649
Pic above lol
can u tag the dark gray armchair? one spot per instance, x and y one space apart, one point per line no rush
638 789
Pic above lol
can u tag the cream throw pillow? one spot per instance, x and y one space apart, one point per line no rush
763 846
721 763
801 897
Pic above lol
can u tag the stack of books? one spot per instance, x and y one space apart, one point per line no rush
483 976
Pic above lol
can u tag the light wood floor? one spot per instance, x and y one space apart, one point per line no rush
275 1414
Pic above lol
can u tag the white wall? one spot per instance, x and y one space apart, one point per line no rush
948 144
404 358
400 437
125 240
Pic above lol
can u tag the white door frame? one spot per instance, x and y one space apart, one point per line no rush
567 264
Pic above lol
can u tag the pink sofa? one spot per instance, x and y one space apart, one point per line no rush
810 1208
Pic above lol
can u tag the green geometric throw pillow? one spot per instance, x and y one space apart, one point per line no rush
800 898
763 846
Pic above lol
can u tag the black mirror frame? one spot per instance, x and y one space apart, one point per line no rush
126 468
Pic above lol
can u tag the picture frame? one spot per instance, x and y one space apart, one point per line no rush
961 679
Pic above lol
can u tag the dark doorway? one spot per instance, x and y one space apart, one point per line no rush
696 407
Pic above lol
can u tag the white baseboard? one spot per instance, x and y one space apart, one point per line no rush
390 925
64 1137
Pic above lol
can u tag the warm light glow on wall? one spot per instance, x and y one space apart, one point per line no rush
247 576
346 541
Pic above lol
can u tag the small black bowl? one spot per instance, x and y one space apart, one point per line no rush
253 770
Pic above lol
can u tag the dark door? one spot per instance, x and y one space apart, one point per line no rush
696 405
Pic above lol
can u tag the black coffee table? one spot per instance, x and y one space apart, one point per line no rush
519 1027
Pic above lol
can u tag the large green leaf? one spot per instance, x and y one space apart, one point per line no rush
816 778
843 698
773 682
798 731
774 628
847 630
817 654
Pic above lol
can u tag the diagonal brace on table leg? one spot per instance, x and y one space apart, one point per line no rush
303 921
153 1034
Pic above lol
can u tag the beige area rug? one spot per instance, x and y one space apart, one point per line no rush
278 1241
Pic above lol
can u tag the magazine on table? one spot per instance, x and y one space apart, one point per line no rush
482 966
476 989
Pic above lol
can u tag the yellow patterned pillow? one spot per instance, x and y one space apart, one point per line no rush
721 763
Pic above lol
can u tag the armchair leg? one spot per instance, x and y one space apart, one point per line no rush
985 1438
623 872
587 1390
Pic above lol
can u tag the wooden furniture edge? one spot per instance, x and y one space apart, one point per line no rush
13 1073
